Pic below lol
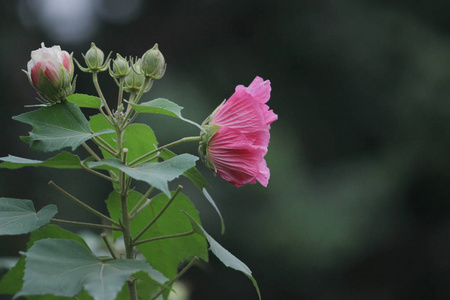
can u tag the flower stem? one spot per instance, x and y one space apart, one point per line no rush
180 141
82 204
165 237
159 214
99 91
185 269
83 224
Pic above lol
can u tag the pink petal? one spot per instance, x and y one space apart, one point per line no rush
66 60
235 159
35 73
260 89
264 174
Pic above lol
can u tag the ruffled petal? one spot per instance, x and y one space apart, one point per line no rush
260 89
235 159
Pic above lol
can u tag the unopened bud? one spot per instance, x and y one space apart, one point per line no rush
120 68
153 63
94 59
134 81
50 71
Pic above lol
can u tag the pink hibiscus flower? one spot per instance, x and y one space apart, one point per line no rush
239 135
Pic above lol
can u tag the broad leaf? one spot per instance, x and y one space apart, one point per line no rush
139 139
155 174
164 255
56 127
199 181
223 254
11 282
63 160
86 101
63 267
163 107
18 216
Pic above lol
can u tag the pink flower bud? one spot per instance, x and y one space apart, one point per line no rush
238 135
50 71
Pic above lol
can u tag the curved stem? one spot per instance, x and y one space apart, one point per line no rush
138 207
99 91
91 152
98 174
180 141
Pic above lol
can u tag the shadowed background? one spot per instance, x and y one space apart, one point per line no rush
357 206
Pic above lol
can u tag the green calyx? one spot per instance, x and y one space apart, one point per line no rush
120 67
153 63
135 80
210 131
94 59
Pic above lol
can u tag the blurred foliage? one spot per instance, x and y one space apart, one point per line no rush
358 202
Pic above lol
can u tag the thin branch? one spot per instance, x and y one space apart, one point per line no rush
98 173
180 141
82 204
83 224
108 245
99 91
185 269
91 152
159 214
165 237
133 213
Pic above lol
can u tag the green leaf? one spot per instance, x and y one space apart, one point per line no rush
11 282
164 255
18 216
199 181
155 174
223 254
163 107
63 160
145 286
139 139
63 267
56 127
86 101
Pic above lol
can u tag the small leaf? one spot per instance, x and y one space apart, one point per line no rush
155 174
223 254
164 255
18 216
11 282
63 160
86 101
56 127
163 107
63 267
199 181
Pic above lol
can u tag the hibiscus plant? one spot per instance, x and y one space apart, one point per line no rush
149 234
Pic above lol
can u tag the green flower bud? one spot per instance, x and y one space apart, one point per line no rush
94 59
120 68
134 80
153 63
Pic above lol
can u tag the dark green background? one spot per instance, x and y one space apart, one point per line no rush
357 206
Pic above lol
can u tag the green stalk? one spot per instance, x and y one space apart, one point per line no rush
99 92
83 224
126 229
165 237
180 141
82 204
185 269
159 214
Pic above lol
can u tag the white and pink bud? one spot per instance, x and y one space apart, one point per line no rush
50 71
